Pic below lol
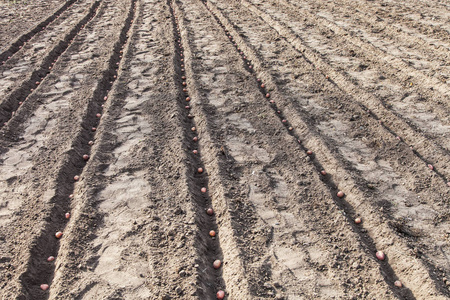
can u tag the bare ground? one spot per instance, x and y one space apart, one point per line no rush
137 116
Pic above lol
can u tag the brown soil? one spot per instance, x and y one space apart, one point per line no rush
281 104
17 17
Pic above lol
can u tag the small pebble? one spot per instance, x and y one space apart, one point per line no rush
178 290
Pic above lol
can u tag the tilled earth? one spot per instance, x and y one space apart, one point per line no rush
290 140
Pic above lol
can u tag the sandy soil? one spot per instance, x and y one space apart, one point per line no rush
123 121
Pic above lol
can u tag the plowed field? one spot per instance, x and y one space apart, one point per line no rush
303 147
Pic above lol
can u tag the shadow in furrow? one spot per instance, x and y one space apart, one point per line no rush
12 102
367 242
38 269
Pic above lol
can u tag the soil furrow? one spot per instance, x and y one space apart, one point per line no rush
16 69
430 23
153 128
370 74
412 49
328 146
223 96
30 258
21 143
24 77
433 89
232 269
421 143
39 270
15 46
341 205
207 149
17 17
143 239
209 281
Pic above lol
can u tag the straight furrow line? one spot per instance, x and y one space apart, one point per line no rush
40 270
384 28
387 119
436 91
337 195
232 273
13 101
407 107
348 203
209 280
23 39
133 214
427 19
403 12
19 68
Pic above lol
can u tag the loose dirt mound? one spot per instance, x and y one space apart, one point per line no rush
266 149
